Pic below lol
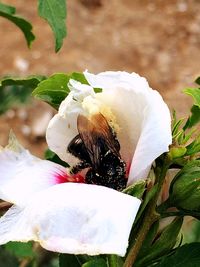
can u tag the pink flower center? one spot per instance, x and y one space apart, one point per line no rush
63 177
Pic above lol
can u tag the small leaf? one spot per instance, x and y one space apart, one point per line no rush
197 80
16 91
188 135
95 263
148 197
54 11
50 155
195 93
98 90
137 189
53 90
20 250
114 261
187 256
7 9
80 77
9 13
193 147
176 127
30 81
68 260
194 117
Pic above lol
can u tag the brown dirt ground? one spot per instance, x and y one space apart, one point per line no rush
157 39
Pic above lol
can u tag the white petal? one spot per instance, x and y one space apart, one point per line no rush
109 79
142 115
60 131
154 139
74 218
22 174
63 126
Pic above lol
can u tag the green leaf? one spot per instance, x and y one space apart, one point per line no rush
148 240
188 135
195 93
148 197
7 9
53 90
7 258
9 13
68 260
137 189
197 80
50 155
176 127
30 81
185 188
162 245
95 263
193 147
185 256
194 117
192 233
114 261
16 91
80 77
20 250
54 11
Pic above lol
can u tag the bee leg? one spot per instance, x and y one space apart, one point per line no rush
79 166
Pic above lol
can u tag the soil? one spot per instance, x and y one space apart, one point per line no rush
157 39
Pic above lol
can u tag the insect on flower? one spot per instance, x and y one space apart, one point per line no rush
100 135
97 147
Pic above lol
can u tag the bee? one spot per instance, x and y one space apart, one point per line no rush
97 148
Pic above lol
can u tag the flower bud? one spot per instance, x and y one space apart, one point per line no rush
177 152
185 188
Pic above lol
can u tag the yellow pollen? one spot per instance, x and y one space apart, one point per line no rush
93 106
110 117
90 106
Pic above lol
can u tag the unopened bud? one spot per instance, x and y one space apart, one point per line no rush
177 152
185 188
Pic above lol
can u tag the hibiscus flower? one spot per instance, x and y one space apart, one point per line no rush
52 204
137 114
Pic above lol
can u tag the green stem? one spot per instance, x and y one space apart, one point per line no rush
180 213
150 216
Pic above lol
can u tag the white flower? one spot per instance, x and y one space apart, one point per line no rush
137 113
62 216
75 217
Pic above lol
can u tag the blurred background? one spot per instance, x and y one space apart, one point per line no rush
158 39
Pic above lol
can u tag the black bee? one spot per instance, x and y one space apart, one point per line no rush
97 147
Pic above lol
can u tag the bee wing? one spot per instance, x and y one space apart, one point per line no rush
97 136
